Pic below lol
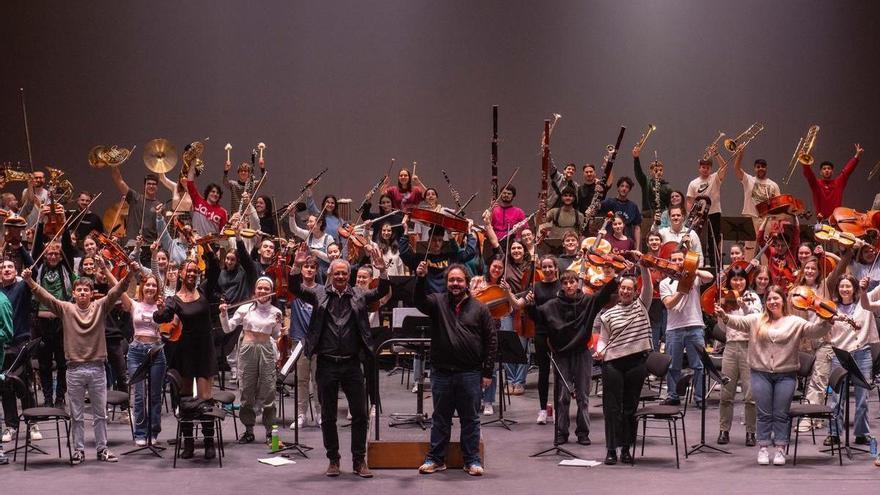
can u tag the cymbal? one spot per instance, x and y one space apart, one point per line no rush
160 156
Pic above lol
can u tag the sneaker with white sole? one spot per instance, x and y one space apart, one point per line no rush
805 425
430 467
78 457
542 417
9 435
779 458
107 456
763 457
140 442
3 459
474 469
35 433
488 410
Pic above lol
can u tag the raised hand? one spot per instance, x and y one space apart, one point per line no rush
422 269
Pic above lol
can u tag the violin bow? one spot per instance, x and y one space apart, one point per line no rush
495 201
168 223
67 222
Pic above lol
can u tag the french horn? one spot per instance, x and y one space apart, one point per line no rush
108 156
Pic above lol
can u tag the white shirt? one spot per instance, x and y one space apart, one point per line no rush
254 317
687 313
711 187
756 191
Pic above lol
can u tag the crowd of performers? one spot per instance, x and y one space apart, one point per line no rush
598 279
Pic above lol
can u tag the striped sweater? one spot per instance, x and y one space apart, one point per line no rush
626 330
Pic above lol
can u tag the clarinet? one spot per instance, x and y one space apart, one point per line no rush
610 156
656 202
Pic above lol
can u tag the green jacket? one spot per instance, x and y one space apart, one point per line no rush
5 325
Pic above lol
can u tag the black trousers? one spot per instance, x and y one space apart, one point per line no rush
542 358
118 369
50 350
622 381
329 377
8 393
713 238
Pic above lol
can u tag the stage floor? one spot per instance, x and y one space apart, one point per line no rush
509 469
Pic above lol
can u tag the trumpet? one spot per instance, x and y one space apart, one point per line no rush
805 152
707 155
741 141
792 164
874 171
108 156
641 143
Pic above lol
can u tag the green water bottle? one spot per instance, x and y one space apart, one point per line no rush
275 441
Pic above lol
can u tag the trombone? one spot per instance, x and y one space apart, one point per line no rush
741 141
805 153
874 171
707 155
792 164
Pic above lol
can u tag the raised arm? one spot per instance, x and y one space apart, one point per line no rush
42 294
118 181
647 287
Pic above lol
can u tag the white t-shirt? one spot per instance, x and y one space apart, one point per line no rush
667 235
688 312
755 191
711 187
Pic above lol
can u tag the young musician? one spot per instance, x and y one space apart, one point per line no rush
85 350
756 189
774 338
709 184
590 187
684 327
734 361
89 221
505 215
851 297
628 210
261 322
570 249
560 181
463 347
19 296
339 336
8 394
300 317
656 311
408 192
566 215
676 198
195 355
141 217
655 189
623 347
544 290
243 183
828 191
618 239
568 319
330 206
676 232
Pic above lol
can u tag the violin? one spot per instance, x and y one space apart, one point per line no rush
728 299
806 299
111 252
54 219
448 221
854 222
496 298
784 203
278 271
285 347
827 233
356 241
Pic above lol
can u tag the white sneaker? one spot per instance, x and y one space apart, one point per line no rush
488 410
8 435
35 433
763 457
415 388
542 417
300 421
156 442
141 442
779 458
805 425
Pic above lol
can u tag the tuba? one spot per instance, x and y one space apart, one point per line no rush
192 156
108 156
805 152
741 141
61 189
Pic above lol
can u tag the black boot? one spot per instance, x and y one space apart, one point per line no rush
189 446
625 456
723 437
210 451
611 458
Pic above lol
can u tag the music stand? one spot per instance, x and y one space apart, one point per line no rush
142 373
510 351
855 377
556 449
416 326
290 364
737 229
709 369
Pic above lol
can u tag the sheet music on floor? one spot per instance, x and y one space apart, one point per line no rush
276 461
579 463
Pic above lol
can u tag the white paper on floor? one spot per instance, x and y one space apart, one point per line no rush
276 461
579 463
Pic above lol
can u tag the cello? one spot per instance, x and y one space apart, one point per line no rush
782 204
448 221
693 222
854 222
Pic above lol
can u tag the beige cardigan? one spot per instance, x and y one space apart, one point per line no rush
777 354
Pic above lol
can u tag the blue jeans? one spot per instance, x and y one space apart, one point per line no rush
455 391
863 359
488 395
137 354
772 393
676 340
516 373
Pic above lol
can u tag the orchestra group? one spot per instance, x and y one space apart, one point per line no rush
208 277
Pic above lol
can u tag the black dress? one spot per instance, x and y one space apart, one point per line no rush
194 355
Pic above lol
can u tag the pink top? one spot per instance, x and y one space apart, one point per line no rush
505 217
142 319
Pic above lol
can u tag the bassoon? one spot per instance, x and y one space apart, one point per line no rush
545 176
494 152
610 156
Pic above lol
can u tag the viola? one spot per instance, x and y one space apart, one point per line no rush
784 203
806 299
854 222
496 298
448 221
827 233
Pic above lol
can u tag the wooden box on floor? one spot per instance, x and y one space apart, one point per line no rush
411 455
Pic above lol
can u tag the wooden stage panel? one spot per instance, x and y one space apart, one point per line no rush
411 455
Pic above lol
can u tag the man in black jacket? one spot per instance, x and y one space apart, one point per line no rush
339 334
463 346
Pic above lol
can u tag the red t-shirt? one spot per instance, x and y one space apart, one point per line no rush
828 193
206 218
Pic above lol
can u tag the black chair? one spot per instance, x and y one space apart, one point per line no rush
121 400
875 369
35 415
227 399
806 360
671 414
216 415
658 365
818 411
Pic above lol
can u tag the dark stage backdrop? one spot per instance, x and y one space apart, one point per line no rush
351 84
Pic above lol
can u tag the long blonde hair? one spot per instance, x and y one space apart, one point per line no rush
764 323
